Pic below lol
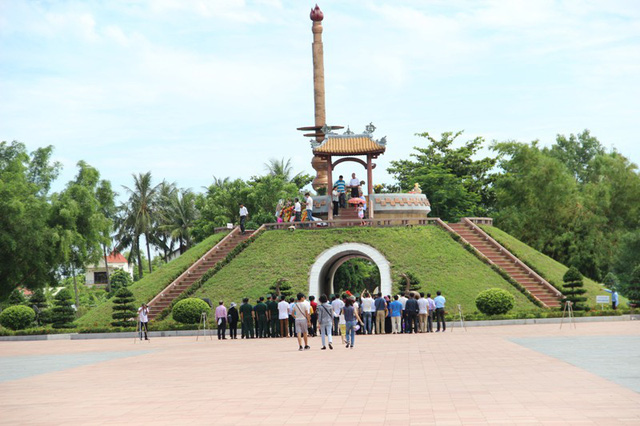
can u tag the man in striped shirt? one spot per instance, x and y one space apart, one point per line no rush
340 183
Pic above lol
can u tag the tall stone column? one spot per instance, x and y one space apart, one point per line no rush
318 163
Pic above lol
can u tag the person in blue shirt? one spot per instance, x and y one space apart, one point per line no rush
614 298
381 312
341 187
395 308
440 301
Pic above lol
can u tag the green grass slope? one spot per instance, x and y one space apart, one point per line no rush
150 285
429 252
548 268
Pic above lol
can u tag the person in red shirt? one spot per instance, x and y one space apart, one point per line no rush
313 330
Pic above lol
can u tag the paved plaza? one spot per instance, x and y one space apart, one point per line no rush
531 374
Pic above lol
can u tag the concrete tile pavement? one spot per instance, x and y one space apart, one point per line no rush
474 377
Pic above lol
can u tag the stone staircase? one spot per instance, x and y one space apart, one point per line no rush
498 255
186 279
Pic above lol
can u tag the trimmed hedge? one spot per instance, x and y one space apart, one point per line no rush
17 317
189 311
495 301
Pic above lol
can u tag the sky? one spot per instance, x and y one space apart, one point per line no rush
194 89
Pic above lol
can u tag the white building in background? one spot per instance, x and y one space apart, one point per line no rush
96 275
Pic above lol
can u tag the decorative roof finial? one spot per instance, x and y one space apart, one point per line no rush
316 14
370 128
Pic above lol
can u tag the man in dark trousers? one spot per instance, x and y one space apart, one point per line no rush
411 309
272 306
233 316
261 313
440 301
246 317
244 213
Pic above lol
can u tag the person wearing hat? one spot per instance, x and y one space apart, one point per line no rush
232 318
221 320
261 315
272 314
246 318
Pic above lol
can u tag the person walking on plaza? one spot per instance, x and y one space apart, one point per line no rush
232 317
302 319
351 318
297 209
325 318
221 320
342 196
313 329
337 306
261 314
335 199
368 310
354 183
283 316
143 319
244 213
272 306
246 317
423 313
381 312
395 309
440 301
431 306
411 309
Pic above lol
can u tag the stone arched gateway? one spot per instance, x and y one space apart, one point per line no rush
324 268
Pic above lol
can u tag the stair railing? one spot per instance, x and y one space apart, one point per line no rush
190 269
510 255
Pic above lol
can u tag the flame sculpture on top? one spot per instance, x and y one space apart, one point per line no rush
316 14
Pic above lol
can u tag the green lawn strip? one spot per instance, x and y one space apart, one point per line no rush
150 285
545 266
429 252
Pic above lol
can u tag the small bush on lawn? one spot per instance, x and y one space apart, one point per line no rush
63 314
123 308
189 311
573 289
17 317
495 301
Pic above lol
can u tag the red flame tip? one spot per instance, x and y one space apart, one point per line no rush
316 14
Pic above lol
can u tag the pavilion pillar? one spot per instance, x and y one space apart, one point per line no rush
330 188
370 184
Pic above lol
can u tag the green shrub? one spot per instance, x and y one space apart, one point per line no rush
17 317
632 289
123 308
407 282
63 314
189 311
495 301
16 297
118 279
573 290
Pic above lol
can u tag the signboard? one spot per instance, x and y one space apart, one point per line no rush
229 225
602 300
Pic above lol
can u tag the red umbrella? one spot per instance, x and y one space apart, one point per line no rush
356 201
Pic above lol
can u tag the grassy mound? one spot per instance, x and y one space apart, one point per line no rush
150 285
429 252
548 268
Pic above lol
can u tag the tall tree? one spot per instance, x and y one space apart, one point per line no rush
454 181
139 212
107 206
178 215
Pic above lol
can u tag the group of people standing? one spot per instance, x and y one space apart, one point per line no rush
344 316
339 194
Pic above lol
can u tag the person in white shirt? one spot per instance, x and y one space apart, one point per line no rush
283 316
423 313
244 213
354 183
337 306
335 199
302 319
309 206
431 305
297 209
143 319
403 299
368 308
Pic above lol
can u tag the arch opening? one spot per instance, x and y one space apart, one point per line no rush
323 271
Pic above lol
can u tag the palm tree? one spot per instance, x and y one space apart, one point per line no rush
179 214
284 169
162 238
140 212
